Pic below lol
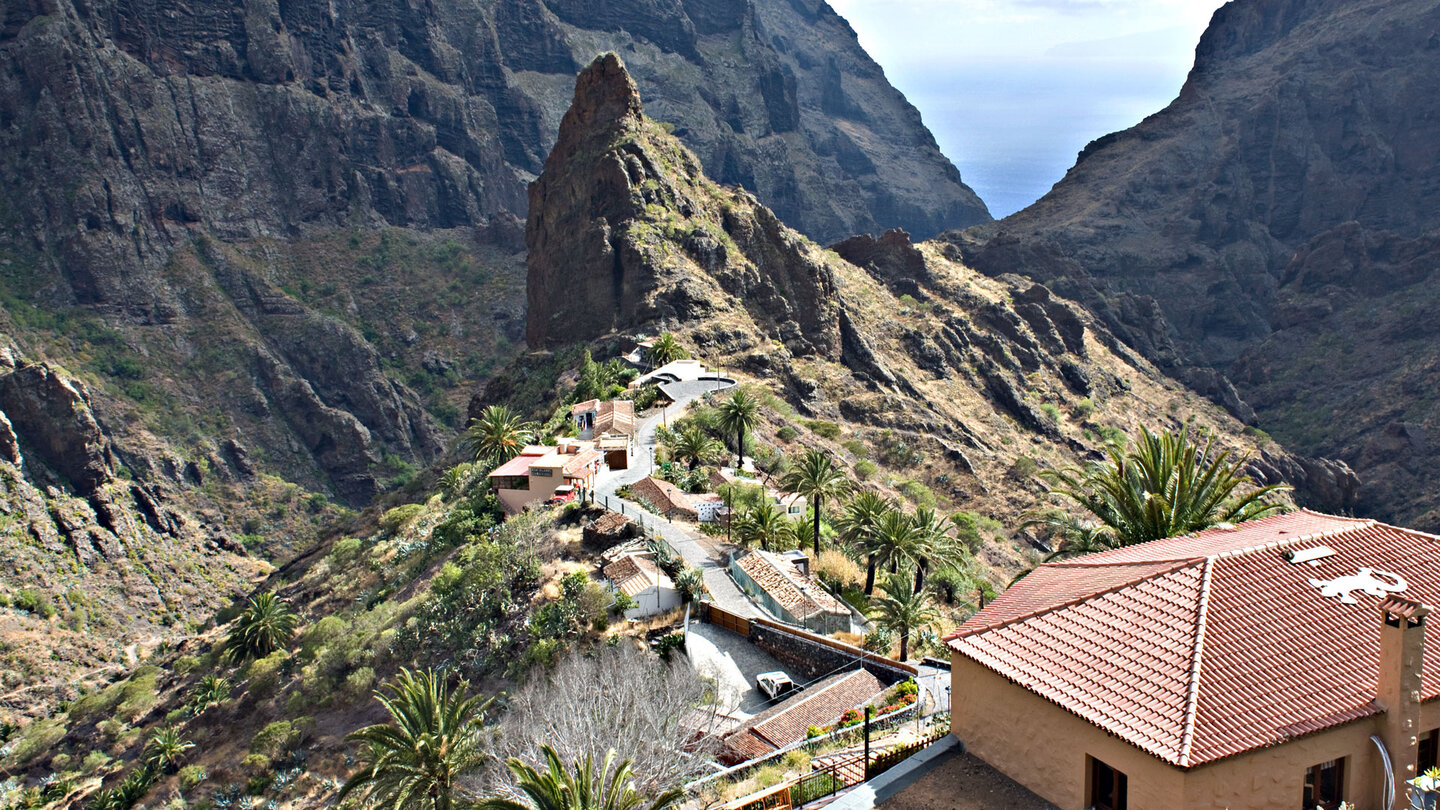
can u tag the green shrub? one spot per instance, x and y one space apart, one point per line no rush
1024 468
264 673
94 761
623 602
185 664
1083 408
967 530
138 694
786 433
35 739
768 776
819 427
918 494
345 550
864 469
896 452
328 628
190 776
1051 411
276 739
34 603
393 520
95 704
1112 435
950 585
360 681
856 447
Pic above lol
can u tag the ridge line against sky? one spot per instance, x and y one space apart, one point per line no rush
1014 89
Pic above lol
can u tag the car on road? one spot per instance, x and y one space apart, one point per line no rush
775 685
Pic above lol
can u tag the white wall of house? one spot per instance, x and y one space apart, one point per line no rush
653 600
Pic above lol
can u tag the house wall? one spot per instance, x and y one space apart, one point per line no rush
514 500
652 601
1047 749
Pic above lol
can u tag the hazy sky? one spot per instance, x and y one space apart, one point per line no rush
1014 89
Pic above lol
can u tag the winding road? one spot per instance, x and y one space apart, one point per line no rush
723 590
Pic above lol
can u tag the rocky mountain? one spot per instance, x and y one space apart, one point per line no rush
627 236
1275 226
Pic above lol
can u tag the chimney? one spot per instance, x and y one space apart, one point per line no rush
1402 653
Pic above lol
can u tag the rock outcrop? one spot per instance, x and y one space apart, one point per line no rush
1271 237
626 231
965 382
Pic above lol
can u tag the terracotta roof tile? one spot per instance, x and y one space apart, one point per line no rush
633 573
1205 646
797 593
789 721
663 496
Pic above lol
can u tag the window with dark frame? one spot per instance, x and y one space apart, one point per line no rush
1429 749
1324 785
1107 787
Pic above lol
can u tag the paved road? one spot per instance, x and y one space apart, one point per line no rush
723 589
733 662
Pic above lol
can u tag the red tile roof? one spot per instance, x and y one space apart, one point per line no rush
634 574
787 723
801 595
1201 647
664 496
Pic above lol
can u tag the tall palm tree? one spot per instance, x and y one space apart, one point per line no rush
435 735
497 435
817 477
858 525
1164 486
692 445
666 349
895 540
582 788
903 610
933 544
738 415
264 626
763 524
164 750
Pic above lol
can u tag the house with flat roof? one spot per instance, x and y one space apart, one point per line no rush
789 722
1280 663
788 593
540 472
611 425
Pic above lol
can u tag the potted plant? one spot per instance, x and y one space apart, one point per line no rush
1425 789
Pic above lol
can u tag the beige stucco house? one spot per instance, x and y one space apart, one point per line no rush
1279 664
541 472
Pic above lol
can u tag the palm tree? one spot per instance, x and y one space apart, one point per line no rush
738 415
932 544
264 626
763 524
1165 486
858 526
434 736
895 540
692 445
164 750
582 788
817 477
903 610
497 435
666 349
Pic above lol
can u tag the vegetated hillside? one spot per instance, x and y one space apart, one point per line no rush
1277 223
981 379
161 168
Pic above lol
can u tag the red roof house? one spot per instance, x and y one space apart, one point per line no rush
1239 667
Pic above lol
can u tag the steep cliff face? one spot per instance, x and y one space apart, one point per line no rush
1277 224
109 546
165 165
616 199
978 381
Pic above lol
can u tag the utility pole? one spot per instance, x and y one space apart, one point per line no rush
867 743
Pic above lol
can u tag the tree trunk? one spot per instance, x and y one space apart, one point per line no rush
870 576
919 574
817 529
904 644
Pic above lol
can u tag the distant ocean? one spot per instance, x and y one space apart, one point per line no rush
1015 130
